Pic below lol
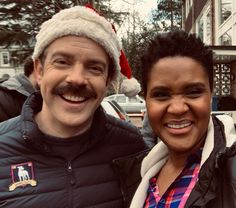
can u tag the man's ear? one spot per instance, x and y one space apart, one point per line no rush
108 81
111 74
38 69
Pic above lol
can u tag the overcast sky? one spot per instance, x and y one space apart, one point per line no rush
144 7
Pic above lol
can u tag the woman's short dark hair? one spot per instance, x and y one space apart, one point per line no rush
177 43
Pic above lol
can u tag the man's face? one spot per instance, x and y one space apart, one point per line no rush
73 82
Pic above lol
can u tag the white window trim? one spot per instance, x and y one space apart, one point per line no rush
2 58
203 15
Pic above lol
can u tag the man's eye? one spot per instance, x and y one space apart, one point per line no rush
96 69
61 62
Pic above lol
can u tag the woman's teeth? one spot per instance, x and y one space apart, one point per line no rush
179 126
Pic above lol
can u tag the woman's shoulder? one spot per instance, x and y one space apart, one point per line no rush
228 126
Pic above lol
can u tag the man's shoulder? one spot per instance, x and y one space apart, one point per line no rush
10 94
4 91
9 125
10 104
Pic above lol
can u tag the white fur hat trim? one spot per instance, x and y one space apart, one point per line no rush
130 87
79 21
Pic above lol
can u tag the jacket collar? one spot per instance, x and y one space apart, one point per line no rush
215 142
222 123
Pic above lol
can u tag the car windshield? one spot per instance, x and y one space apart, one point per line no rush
130 104
133 100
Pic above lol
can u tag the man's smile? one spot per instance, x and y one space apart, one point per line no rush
73 98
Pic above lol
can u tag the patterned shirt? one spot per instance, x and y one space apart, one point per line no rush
178 192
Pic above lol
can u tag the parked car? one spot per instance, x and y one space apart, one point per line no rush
134 104
112 107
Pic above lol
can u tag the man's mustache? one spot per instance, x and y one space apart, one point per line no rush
78 90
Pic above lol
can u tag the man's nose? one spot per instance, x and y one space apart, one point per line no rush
178 105
77 74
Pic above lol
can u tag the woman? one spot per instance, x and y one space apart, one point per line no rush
194 164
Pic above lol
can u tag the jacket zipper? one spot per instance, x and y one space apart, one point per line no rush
71 175
71 182
122 186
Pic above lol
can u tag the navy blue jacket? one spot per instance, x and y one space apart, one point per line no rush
33 175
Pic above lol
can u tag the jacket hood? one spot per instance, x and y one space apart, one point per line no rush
19 83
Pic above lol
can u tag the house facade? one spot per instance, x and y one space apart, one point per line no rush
214 21
9 65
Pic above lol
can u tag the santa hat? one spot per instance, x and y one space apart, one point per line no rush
86 22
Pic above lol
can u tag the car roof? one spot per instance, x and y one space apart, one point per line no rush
115 95
111 107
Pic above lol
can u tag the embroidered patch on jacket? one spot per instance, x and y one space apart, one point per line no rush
22 175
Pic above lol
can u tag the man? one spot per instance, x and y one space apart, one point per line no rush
63 150
15 90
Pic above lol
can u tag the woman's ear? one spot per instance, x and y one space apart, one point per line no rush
38 69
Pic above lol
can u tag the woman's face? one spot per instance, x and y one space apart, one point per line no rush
179 102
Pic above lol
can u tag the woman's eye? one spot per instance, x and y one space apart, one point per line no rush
161 95
194 93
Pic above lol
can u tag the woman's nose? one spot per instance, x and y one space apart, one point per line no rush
178 105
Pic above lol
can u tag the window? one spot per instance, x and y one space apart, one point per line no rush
188 6
226 38
201 28
4 59
208 24
133 100
225 10
204 25
222 80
